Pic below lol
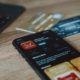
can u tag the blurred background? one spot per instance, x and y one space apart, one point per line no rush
68 7
12 65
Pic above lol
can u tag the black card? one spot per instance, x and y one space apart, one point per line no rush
50 56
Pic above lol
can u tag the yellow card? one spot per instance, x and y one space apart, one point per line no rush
76 63
59 69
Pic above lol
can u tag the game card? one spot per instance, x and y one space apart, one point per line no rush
59 69
69 29
50 56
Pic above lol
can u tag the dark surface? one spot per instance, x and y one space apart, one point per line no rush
8 13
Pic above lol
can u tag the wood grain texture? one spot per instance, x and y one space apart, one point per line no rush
12 65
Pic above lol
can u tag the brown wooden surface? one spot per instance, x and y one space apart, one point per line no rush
12 65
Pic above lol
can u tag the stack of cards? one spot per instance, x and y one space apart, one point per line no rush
41 22
69 29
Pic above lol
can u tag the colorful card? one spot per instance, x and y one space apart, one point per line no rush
50 56
68 27
59 69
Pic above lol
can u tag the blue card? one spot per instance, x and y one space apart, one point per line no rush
68 27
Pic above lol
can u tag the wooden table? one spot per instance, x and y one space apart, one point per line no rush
12 65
